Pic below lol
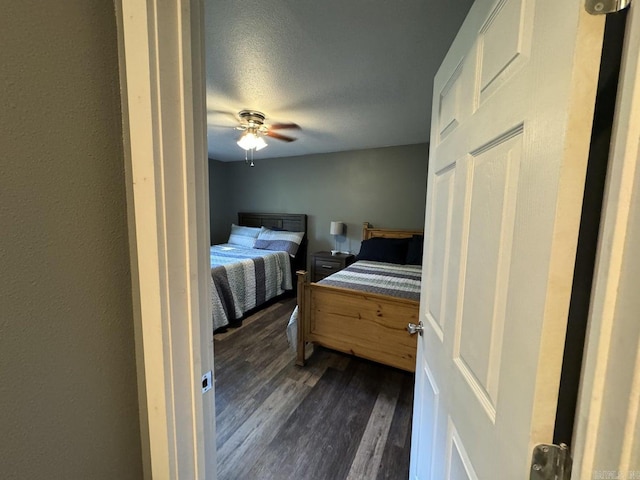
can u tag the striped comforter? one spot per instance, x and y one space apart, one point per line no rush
377 277
244 278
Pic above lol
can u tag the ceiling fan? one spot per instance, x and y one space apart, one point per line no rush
254 128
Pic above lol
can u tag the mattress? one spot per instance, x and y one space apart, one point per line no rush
401 281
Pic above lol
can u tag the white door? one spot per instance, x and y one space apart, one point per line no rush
511 120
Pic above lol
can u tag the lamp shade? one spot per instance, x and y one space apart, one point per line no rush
336 228
260 143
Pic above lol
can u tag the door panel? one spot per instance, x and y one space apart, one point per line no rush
491 198
437 257
459 465
511 121
504 43
429 410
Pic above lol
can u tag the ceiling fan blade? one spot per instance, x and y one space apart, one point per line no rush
280 137
282 126
223 113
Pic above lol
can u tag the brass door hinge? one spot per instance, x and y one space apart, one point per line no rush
602 7
550 462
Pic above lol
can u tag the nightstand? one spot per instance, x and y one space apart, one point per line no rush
324 264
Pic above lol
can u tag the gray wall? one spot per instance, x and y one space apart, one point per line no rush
68 397
383 186
220 214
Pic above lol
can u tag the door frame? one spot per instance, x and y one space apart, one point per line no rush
164 117
608 390
162 74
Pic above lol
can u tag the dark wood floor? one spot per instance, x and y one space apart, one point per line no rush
337 418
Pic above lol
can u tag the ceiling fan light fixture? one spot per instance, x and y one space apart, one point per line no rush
249 141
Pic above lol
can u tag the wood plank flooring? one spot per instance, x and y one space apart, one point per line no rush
337 418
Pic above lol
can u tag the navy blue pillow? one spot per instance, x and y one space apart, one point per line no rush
389 250
414 250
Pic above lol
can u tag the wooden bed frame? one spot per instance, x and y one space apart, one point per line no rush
367 325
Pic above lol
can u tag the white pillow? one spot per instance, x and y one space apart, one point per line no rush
243 236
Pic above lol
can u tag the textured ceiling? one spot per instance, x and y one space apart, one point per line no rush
352 74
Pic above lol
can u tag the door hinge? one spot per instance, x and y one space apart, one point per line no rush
550 462
602 7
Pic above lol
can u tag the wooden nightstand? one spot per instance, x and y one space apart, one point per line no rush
324 264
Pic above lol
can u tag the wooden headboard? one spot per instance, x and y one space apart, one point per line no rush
292 222
369 232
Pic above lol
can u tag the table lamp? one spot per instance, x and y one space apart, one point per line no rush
336 229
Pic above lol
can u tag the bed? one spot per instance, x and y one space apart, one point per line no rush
244 277
363 323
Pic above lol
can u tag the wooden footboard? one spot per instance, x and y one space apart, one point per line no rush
367 325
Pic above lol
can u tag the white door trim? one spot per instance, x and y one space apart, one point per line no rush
607 433
163 98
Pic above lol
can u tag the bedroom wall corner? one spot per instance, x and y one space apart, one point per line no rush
220 215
